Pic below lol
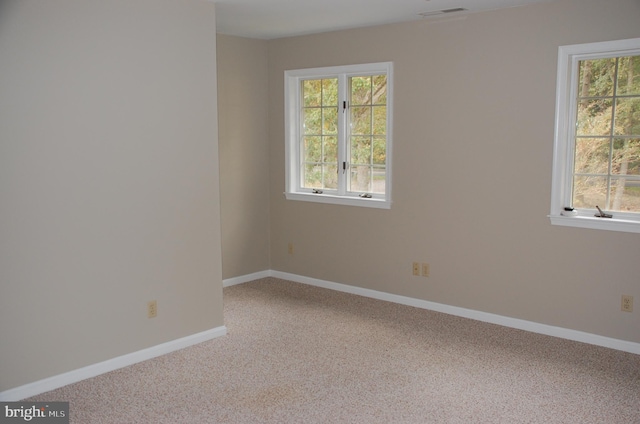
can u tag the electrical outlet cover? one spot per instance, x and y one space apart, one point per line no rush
627 303
152 309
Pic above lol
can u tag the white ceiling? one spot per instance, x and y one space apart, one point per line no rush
268 19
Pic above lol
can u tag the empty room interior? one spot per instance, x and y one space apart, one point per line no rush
144 170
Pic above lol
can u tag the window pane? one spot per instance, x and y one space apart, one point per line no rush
330 92
379 151
594 117
360 150
311 93
596 77
626 157
380 89
360 178
629 75
361 120
312 121
312 149
360 91
627 119
589 192
379 180
330 120
330 176
592 156
625 195
312 176
330 150
380 120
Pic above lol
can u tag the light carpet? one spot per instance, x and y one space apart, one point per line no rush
301 354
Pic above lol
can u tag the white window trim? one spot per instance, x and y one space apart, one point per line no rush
563 150
292 80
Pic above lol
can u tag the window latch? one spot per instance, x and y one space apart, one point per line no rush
316 191
344 167
365 196
344 106
602 214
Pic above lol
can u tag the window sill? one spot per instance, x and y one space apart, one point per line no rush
594 223
340 200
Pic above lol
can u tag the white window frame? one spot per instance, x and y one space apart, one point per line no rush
292 83
564 138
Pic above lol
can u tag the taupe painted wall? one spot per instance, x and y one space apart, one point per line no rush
474 116
244 152
108 180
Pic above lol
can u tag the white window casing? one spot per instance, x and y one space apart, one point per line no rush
294 189
565 132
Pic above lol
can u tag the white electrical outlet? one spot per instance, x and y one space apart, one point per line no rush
627 303
152 309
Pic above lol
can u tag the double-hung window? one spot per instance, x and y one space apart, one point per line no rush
338 134
596 171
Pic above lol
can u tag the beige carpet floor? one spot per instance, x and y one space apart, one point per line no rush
302 354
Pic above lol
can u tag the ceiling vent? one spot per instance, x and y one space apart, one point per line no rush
442 12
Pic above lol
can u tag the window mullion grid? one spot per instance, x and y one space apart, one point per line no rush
296 136
299 147
343 134
614 99
322 137
371 140
572 146
370 137
567 135
301 139
574 83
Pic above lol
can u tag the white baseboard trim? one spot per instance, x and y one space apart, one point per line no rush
245 278
534 327
51 383
57 381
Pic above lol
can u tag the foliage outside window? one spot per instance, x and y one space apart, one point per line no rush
597 146
339 134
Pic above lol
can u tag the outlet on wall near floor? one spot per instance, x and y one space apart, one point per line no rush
152 309
627 303
420 269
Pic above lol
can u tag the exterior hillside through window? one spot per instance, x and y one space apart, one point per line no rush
338 123
596 180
